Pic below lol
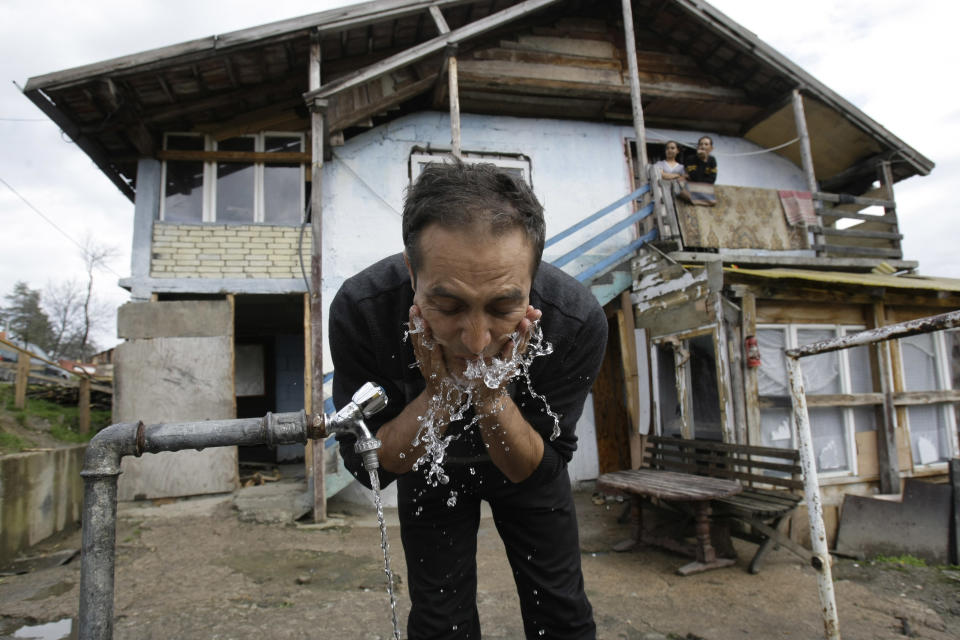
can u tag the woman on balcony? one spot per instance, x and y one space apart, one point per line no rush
670 168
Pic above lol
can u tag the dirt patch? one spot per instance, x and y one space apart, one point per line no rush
311 569
194 570
906 585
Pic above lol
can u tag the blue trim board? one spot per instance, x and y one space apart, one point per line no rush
589 272
596 216
600 237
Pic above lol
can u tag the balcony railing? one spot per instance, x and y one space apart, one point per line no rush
751 219
609 256
871 236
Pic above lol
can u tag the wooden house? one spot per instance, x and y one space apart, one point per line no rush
223 143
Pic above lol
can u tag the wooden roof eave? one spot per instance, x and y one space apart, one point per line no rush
325 21
425 49
88 145
726 27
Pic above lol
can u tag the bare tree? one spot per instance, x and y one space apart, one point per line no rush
62 302
95 256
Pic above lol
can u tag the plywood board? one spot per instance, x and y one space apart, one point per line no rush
918 525
867 465
804 312
835 142
176 380
743 218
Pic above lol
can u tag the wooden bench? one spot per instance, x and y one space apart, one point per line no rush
678 493
770 478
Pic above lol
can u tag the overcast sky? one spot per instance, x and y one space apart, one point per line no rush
892 58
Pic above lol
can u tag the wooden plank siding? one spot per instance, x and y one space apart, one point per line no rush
610 411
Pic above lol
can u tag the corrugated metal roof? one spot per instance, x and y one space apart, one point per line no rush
862 279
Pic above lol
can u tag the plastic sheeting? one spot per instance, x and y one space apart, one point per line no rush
821 375
929 438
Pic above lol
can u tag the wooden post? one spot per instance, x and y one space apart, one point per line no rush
635 98
628 352
735 352
307 382
453 88
681 356
454 102
751 383
955 533
631 377
316 282
806 156
23 375
888 462
886 179
724 390
83 405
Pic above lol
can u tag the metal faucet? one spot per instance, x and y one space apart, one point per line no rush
368 400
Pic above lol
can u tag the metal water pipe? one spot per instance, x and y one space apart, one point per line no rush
102 467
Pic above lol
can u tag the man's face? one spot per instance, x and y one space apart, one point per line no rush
473 289
704 148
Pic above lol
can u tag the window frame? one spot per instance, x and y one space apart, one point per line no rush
420 158
209 189
846 384
944 381
684 337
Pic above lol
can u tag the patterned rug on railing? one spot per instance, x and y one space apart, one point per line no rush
743 218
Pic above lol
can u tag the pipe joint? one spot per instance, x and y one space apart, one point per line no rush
284 428
109 446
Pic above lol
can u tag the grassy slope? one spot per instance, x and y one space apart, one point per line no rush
42 423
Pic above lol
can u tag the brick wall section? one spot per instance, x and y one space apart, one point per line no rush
227 251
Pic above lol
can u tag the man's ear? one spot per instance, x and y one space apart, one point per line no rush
413 278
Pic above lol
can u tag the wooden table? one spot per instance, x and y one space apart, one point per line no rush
671 486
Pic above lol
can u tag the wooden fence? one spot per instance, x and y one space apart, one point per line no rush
25 371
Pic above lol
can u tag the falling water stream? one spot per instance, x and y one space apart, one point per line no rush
375 485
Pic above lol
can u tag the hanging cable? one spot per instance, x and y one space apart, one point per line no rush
53 224
306 221
759 151
366 184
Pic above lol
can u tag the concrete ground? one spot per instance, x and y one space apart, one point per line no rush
216 567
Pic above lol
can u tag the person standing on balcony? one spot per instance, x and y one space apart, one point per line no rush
468 284
703 166
670 167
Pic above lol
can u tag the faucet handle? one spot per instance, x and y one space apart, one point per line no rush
371 398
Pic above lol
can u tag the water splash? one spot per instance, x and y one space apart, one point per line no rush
455 396
375 485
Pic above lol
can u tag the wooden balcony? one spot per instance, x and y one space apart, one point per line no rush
749 225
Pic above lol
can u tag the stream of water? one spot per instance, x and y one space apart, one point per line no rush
375 485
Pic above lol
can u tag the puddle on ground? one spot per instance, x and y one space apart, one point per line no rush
59 630
329 570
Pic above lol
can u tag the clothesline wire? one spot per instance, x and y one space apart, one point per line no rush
758 152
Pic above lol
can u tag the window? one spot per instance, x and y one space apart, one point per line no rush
183 181
515 165
241 190
930 363
837 372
